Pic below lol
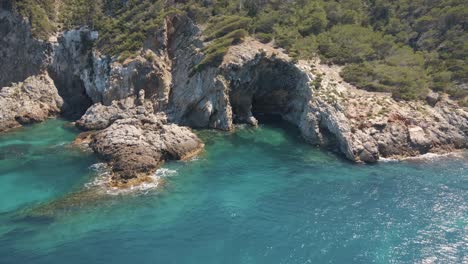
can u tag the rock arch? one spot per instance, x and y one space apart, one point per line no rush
267 85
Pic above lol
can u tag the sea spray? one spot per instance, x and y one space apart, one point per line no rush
102 181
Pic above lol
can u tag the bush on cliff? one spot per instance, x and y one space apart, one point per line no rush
41 16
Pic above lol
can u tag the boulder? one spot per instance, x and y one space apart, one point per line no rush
34 100
135 147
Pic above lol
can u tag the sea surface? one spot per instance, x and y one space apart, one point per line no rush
254 196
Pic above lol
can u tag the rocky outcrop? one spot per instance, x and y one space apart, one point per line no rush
71 56
132 107
367 126
254 78
107 80
135 140
198 99
136 147
100 116
33 100
21 55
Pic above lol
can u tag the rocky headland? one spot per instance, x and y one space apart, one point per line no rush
138 113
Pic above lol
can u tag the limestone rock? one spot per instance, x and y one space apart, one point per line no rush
100 116
136 147
70 56
21 55
33 100
256 78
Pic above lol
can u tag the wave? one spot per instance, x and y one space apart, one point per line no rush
427 157
103 181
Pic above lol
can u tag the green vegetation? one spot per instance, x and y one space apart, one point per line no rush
40 14
405 47
123 26
223 32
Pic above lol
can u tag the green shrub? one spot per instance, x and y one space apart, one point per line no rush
217 28
215 51
264 37
40 15
352 44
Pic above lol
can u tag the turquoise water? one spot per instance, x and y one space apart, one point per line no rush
255 196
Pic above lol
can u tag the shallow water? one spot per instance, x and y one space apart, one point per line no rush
255 196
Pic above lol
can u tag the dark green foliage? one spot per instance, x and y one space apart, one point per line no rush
215 51
402 46
41 16
124 31
401 73
221 26
221 32
264 37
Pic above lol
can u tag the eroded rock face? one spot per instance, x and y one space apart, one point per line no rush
33 100
127 103
100 116
364 126
134 140
21 55
197 99
72 54
106 80
136 147
368 126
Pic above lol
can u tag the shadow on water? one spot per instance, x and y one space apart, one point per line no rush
276 121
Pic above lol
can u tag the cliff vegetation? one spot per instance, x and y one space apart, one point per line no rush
403 47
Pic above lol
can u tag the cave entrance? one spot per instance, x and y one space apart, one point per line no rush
270 91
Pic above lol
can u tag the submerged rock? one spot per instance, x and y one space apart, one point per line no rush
33 100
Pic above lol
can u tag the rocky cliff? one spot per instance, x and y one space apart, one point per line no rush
21 55
131 108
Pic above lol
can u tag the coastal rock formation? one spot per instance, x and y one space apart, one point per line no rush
367 126
71 55
106 80
100 116
21 55
134 109
134 140
136 147
255 78
33 100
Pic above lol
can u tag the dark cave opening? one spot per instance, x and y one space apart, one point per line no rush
271 93
72 90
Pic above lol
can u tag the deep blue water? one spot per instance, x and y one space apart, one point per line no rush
255 196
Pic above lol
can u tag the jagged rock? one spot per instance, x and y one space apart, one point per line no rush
253 78
432 98
134 139
107 80
33 100
136 147
21 55
100 116
71 55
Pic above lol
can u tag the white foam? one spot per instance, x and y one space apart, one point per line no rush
103 178
432 156
424 157
388 160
